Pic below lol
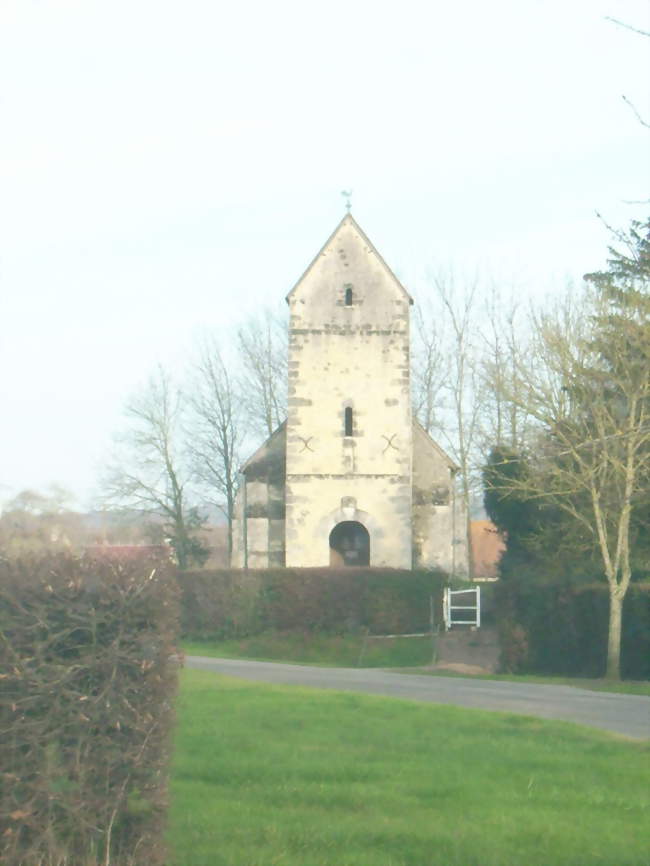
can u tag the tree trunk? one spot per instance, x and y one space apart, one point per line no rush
468 527
181 546
181 554
470 547
230 520
614 636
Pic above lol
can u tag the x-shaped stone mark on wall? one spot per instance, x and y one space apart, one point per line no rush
305 444
389 442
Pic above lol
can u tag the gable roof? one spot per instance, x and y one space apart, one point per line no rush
348 219
262 459
417 427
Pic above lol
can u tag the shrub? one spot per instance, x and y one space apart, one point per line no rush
237 603
219 603
85 713
559 628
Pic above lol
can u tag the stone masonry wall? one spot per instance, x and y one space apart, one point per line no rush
439 521
349 356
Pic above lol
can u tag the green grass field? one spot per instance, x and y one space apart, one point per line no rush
351 651
295 777
347 650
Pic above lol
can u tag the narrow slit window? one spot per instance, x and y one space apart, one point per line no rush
348 421
348 296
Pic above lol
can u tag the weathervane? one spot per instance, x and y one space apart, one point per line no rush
347 194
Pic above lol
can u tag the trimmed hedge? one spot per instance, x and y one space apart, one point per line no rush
562 629
85 709
233 603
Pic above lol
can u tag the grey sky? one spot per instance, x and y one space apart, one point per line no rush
170 166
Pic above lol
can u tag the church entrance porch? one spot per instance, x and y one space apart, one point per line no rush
349 544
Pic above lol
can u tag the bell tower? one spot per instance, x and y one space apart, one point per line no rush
349 435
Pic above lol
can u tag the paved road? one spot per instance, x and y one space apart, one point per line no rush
622 714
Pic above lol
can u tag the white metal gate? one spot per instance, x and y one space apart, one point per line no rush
471 613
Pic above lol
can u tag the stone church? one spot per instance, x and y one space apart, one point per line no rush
350 478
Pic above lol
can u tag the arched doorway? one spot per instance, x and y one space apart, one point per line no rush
349 544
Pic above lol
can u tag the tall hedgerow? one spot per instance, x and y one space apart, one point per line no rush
85 709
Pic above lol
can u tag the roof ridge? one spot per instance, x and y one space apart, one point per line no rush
349 219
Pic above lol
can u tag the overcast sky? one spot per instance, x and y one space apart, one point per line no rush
170 166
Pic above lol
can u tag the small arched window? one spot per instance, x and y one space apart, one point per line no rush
348 296
349 421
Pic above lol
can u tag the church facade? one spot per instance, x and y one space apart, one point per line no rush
350 478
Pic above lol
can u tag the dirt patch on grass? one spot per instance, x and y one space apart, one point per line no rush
461 668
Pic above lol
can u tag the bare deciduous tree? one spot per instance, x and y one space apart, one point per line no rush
430 363
464 389
217 429
504 339
263 352
150 472
448 384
